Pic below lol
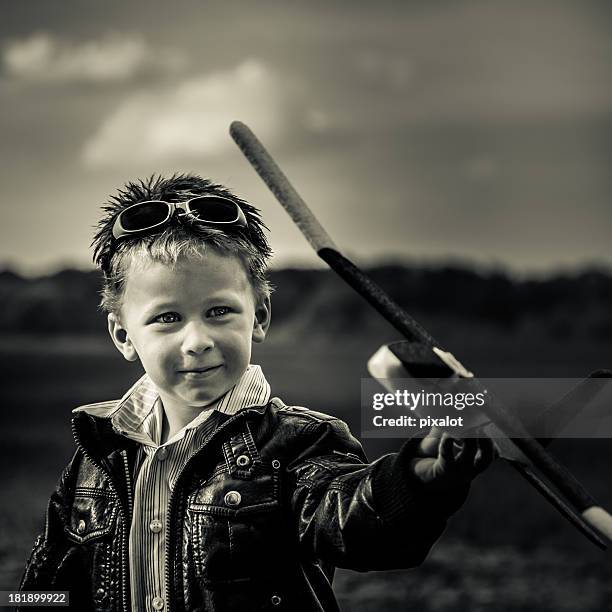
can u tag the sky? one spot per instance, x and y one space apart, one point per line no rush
472 131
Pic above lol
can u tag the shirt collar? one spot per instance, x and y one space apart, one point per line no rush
139 411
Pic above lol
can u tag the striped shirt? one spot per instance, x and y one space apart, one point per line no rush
140 417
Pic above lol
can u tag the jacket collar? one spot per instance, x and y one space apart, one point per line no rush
106 426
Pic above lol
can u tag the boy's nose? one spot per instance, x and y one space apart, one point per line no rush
197 339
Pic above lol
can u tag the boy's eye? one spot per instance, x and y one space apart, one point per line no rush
219 311
167 317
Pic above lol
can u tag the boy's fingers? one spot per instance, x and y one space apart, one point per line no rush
428 447
446 449
430 443
467 454
436 432
465 458
486 454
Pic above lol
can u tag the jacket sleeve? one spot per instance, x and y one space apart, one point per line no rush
363 516
51 545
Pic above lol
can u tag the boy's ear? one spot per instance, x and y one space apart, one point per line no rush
120 338
263 313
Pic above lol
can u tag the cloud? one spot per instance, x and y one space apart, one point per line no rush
115 57
191 120
391 69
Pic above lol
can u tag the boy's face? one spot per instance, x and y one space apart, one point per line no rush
191 326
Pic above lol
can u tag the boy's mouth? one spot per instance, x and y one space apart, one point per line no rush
200 371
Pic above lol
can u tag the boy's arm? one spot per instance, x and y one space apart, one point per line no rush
364 516
51 545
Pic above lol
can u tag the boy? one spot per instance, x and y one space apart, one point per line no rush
196 490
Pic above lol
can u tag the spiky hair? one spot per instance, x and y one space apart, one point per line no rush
176 239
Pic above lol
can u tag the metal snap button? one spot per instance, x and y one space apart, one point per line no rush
243 460
232 498
157 603
275 600
82 526
100 595
275 464
156 526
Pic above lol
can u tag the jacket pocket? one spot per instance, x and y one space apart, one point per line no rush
92 516
232 524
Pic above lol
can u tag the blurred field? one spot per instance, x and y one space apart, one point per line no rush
506 550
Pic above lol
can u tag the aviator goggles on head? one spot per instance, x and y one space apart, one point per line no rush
143 217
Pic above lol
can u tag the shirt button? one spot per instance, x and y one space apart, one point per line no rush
162 453
275 600
243 460
82 526
155 526
232 498
157 603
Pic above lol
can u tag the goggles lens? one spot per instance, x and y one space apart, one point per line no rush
144 216
214 210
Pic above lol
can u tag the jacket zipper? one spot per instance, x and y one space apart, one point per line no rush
128 480
172 542
128 525
124 528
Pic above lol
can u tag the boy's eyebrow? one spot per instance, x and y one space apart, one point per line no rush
153 307
163 304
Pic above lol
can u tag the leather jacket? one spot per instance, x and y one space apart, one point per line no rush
307 502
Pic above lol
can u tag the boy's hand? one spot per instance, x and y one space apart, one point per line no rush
443 462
